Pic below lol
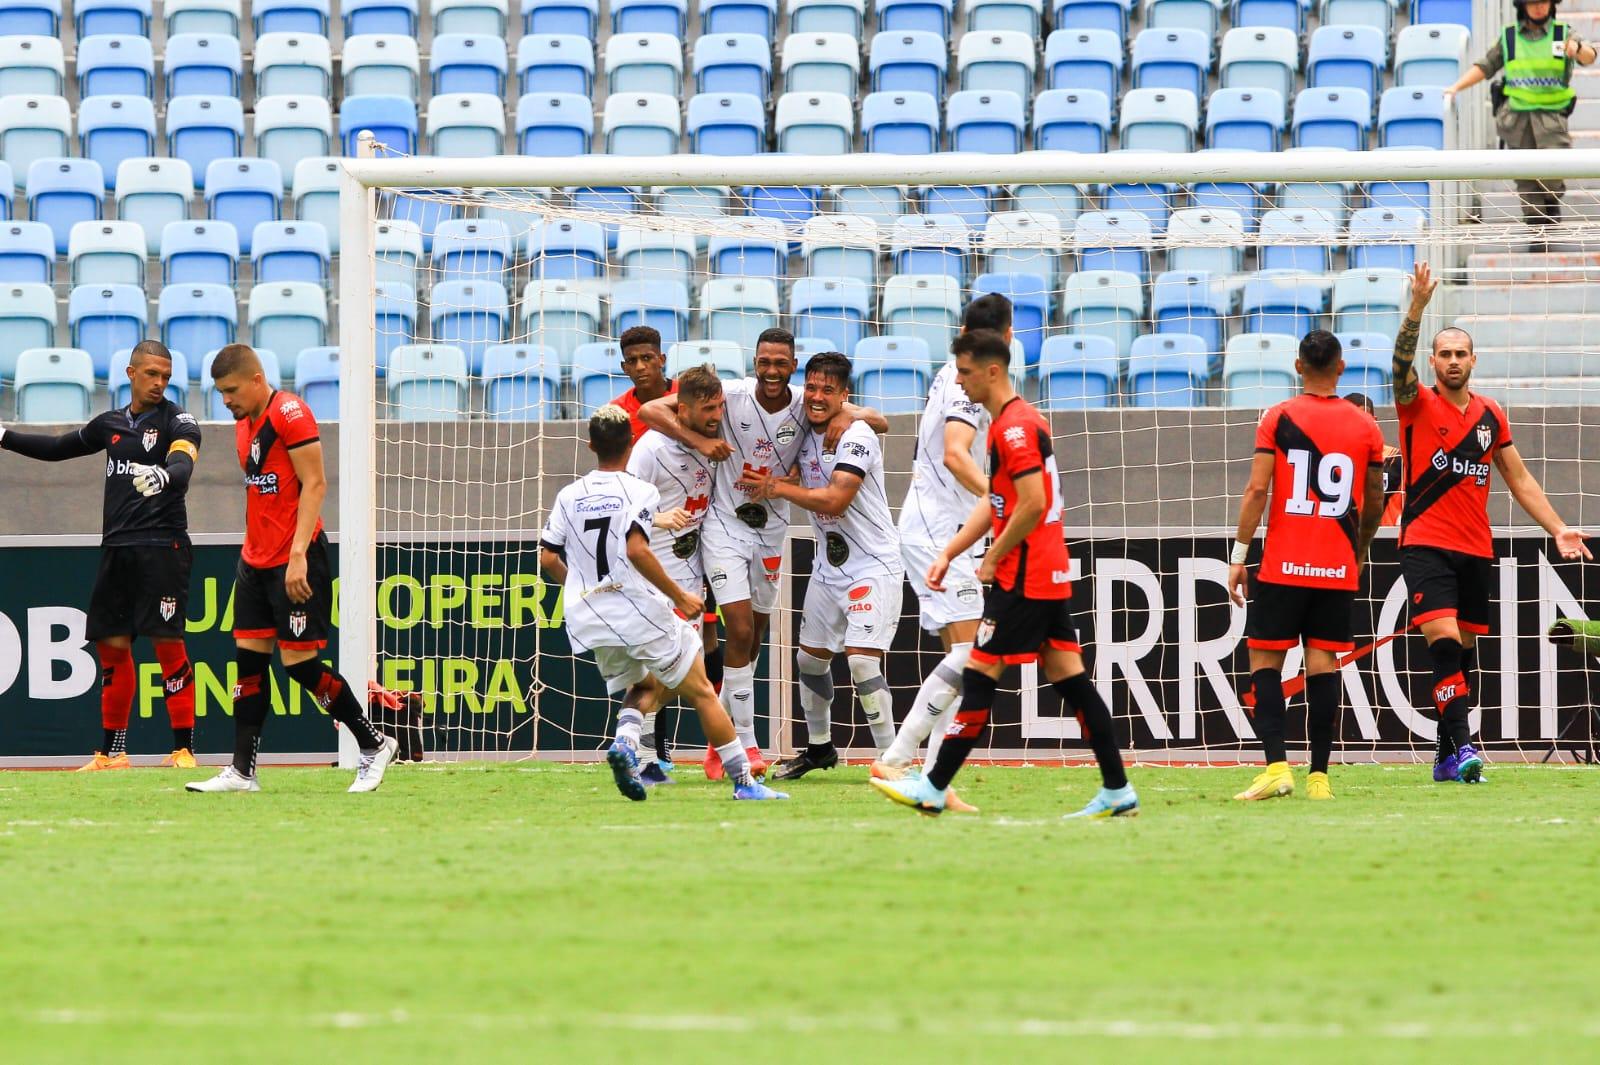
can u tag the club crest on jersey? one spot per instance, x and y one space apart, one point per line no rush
297 623
1485 437
985 631
151 435
764 448
255 451
168 608
786 434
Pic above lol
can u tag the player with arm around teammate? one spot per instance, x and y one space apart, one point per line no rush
620 605
1322 459
142 587
283 588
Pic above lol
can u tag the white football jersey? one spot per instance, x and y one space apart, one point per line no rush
683 477
936 505
862 541
761 442
606 602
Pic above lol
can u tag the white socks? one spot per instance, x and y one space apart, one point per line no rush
876 702
927 719
816 697
734 761
629 725
739 699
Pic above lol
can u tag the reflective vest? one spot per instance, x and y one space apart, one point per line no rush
1536 80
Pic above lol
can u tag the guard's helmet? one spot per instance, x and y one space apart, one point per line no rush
1521 8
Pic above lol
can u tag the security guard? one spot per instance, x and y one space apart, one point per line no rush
1531 108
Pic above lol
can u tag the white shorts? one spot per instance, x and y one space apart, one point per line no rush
962 598
863 613
668 655
738 570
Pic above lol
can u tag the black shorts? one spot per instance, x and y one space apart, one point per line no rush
141 591
710 618
1448 584
262 610
1282 615
1016 629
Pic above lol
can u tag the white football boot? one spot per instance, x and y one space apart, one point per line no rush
230 779
369 772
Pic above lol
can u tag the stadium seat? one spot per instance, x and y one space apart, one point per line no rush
1188 302
1202 15
755 17
554 124
1454 11
27 320
391 119
1108 15
32 66
522 383
1022 242
33 128
1378 14
112 129
92 18
650 16
645 63
909 61
985 121
707 203
291 128
1203 240
384 64
397 250
597 376
1106 304
1023 16
998 60
466 125
1411 118
1159 120
293 64
1154 201
471 249
197 317
1368 301
1168 370
1368 366
1031 307
735 310
1071 120
567 250
427 383
154 193
204 129
27 253
105 318
1245 197
1430 55
64 192
201 252
579 18
471 315
1332 198
1085 59
290 251
394 319
841 245
1172 59
832 308
662 305
289 16
929 244
927 16
1347 57
727 124
927 306
1258 370
317 382
222 17
1264 57
892 373
900 123
121 388
821 62
1078 372
203 64
288 317
1245 120
1113 241
815 123
315 196
54 385
733 63
1282 304
827 16
106 253
31 18
880 204
1376 234
554 62
655 255
1287 15
363 18
641 123
1331 118
1397 193
244 192
726 356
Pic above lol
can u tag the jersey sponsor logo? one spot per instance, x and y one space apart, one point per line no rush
771 566
167 607
860 591
297 623
763 448
998 503
264 483
1305 569
786 434
116 467
1485 437
1478 471
291 410
1060 576
855 449
1015 436
701 477
151 435
184 419
597 505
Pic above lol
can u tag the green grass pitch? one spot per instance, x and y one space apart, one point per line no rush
526 913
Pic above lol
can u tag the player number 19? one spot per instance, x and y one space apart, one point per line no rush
1335 484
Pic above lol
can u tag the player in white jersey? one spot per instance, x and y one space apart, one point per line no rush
619 603
742 539
853 598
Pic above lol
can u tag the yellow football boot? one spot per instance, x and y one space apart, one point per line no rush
1318 786
105 761
1274 782
182 758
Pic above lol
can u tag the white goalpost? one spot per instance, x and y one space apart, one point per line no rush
1159 298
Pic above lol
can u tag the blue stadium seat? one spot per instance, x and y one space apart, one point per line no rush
655 255
204 129
32 66
197 317
427 383
391 119
1245 119
293 64
217 411
733 62
1024 16
751 247
1258 370
64 192
1104 303
650 16
567 250
154 193
33 128
93 18
985 121
112 129
833 308
1159 120
821 62
1378 235
1430 55
27 320
828 16
470 315
201 252
1168 370
203 64
115 65
1411 118
1205 240
555 62
1247 198
554 124
1348 57
290 251
931 16
121 388
997 61
929 244
1202 15
522 383
757 17
1369 301
385 64
900 123
288 317
292 128
397 251
1085 59
315 195
1189 303
201 16
1078 372
1282 14
1031 308
1332 198
1281 304
923 305
663 305
597 376
841 245
1172 59
1368 366
909 61
644 62
1297 239
54 385
1109 15
725 356
290 16
7 186
1154 201
106 253
1455 11
466 125
483 17
580 18
880 204
1113 241
892 373
641 123
472 249
1021 242
1398 193
735 310
1332 118
27 253
366 17
245 192
815 123
727 124
33 18
1071 120
394 319
106 318
1262 57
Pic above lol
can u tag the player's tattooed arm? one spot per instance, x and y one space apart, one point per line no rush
1371 514
662 416
1529 494
1405 342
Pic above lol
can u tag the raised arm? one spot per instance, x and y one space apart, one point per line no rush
958 457
73 445
1405 342
1525 489
1252 504
662 416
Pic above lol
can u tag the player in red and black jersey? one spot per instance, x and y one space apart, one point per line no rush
1027 613
646 366
1448 437
1322 459
283 590
142 588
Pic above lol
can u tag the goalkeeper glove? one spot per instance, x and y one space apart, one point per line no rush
150 480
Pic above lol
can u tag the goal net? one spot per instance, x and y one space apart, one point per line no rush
1158 305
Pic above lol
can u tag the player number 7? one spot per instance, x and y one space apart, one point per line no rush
601 527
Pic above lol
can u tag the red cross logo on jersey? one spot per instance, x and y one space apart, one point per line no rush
698 503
